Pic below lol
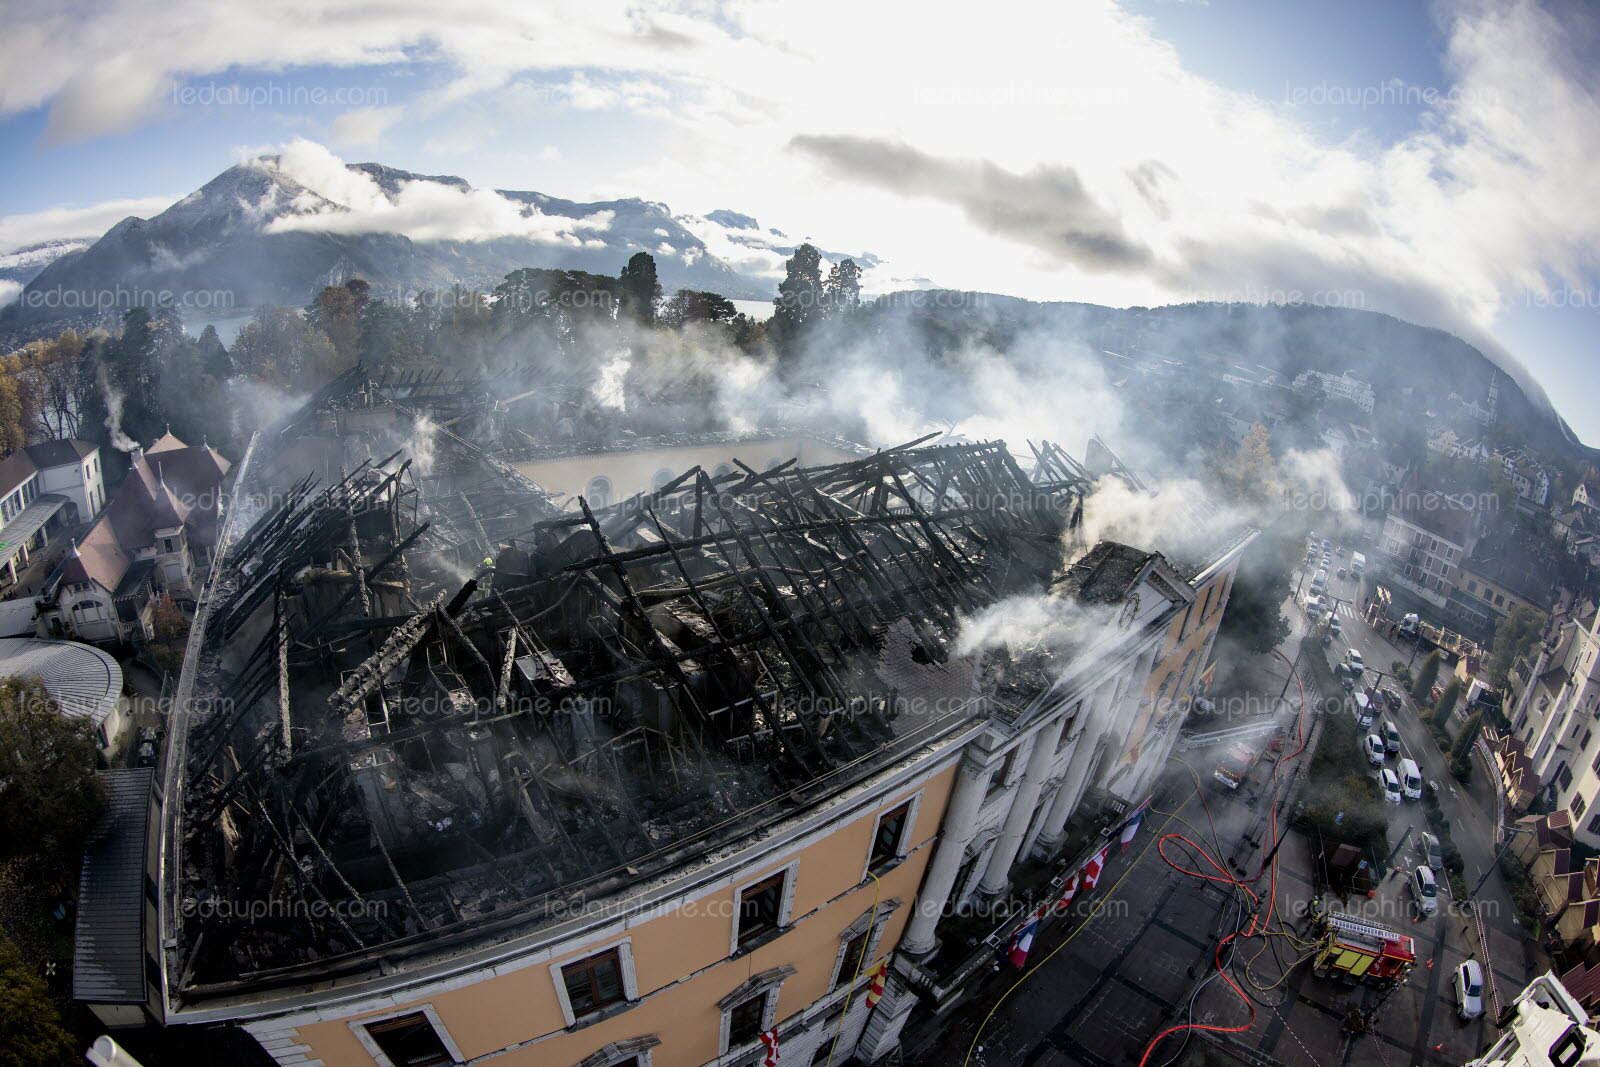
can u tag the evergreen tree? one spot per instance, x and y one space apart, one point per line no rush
1427 674
1447 702
799 300
640 291
842 290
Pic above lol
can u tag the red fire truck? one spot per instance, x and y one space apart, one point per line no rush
1362 951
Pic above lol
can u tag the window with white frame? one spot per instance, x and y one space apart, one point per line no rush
891 837
594 983
412 1037
858 944
751 1008
761 908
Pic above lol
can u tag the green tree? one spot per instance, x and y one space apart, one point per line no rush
799 300
691 305
1447 702
50 797
1427 674
1513 636
1462 749
1254 618
31 1033
842 290
640 291
281 348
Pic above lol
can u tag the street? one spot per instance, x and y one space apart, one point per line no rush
1141 964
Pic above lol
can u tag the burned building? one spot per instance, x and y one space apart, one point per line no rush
461 769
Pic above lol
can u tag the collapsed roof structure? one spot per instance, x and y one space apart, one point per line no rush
418 683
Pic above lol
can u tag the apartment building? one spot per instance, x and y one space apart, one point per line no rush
1425 539
1556 717
1343 386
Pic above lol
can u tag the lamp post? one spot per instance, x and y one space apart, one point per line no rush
1495 862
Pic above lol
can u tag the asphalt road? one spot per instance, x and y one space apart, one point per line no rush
1105 985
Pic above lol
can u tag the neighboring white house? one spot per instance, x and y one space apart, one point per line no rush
45 489
154 537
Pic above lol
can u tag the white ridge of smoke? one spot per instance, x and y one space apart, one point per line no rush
114 403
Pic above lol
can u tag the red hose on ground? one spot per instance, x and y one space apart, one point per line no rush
1226 877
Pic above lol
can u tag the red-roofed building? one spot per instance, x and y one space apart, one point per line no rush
157 535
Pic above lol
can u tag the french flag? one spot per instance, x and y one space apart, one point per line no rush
1130 829
1068 891
1024 941
1091 870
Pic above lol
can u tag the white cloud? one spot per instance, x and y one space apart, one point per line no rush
341 200
74 223
363 126
9 291
1076 109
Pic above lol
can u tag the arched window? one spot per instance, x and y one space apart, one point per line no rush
659 479
598 494
775 464
722 471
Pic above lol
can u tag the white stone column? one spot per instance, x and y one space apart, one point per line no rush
1095 715
960 823
997 876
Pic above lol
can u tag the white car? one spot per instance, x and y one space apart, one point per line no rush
1374 745
1314 606
1390 785
1353 663
1469 990
1425 889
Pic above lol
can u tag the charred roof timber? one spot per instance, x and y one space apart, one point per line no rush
423 686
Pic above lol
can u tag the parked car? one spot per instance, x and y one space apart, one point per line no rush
1428 849
1374 745
1314 606
1411 781
1425 889
1390 786
1469 990
1340 572
1354 663
1391 738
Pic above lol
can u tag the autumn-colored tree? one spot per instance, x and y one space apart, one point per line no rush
336 311
169 634
1251 473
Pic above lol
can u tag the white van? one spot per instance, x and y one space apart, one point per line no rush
1363 709
1410 779
1319 582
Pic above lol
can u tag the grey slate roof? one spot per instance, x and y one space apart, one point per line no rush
108 946
82 679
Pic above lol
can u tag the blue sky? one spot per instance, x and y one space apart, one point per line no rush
1428 160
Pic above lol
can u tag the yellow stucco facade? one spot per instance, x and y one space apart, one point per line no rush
681 956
